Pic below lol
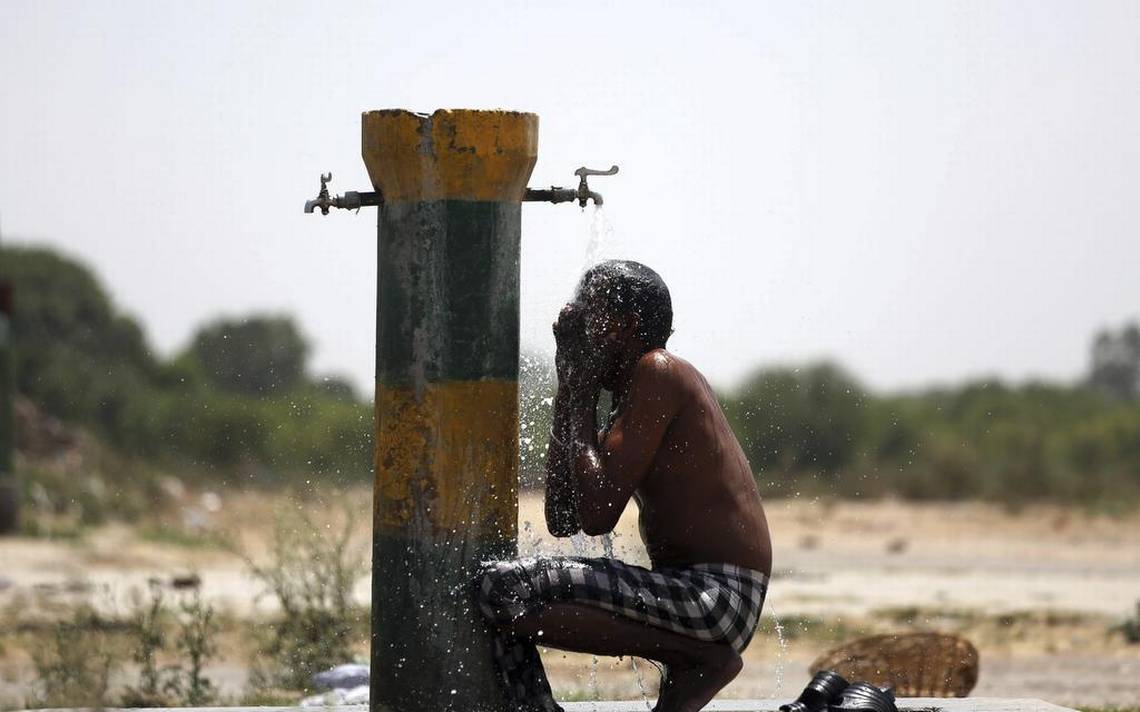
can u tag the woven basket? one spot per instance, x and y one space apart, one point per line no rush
914 664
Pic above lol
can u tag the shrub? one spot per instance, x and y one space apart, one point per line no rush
1130 628
195 632
310 573
197 642
74 669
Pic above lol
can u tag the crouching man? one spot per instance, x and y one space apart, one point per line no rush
667 445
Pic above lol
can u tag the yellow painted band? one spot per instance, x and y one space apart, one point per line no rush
459 154
447 459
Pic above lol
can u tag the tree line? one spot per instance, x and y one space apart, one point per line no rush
241 395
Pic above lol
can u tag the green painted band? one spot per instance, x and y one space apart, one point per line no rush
428 637
447 291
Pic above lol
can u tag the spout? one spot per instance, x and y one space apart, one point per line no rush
322 200
591 195
351 200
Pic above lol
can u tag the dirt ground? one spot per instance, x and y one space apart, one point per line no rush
1037 591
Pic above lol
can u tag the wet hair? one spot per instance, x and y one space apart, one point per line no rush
629 287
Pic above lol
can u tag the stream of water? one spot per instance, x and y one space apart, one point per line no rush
640 684
603 245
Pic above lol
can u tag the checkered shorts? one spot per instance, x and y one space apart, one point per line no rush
711 602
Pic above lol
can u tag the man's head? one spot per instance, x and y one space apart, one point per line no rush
627 309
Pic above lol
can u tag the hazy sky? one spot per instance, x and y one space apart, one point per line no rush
923 191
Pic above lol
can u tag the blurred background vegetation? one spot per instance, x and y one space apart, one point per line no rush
239 405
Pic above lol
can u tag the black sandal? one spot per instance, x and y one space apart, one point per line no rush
824 688
865 697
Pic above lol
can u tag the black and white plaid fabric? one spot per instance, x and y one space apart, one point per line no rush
711 602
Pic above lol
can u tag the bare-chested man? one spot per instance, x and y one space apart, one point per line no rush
667 445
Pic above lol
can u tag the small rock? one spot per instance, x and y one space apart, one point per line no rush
342 677
211 502
182 581
897 545
78 586
172 487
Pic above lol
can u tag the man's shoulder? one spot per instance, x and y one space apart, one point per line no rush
662 370
657 366
662 364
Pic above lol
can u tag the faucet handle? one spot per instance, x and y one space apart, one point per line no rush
584 192
584 171
322 200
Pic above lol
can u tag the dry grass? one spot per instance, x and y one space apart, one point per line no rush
840 573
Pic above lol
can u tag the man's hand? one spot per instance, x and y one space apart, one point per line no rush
572 359
574 378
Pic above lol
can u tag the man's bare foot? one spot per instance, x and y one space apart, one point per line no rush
688 689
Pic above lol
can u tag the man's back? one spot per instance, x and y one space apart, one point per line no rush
699 502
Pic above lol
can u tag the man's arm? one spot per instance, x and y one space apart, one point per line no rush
574 377
561 498
605 475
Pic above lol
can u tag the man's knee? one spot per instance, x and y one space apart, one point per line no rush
506 590
493 590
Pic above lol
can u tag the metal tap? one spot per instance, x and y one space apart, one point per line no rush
583 194
351 200
322 199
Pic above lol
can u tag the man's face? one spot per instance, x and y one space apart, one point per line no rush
604 336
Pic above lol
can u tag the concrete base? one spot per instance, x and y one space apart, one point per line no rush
905 704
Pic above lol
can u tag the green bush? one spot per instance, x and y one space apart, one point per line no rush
239 394
310 572
983 440
76 355
808 418
239 401
74 669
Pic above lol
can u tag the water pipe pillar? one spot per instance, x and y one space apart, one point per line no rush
447 338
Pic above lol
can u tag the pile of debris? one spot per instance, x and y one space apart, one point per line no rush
342 685
42 437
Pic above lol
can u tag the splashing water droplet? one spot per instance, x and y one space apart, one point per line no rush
580 543
640 683
594 677
781 653
602 244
